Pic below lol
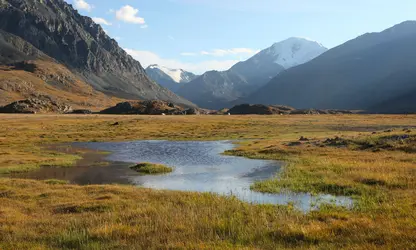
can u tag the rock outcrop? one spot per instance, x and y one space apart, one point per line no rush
153 107
259 109
43 104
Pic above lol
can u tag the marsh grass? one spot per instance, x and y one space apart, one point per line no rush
56 182
151 168
31 158
38 215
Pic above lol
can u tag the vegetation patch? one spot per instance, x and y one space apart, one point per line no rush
56 182
72 208
151 168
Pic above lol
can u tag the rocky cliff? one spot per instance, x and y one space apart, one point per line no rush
57 30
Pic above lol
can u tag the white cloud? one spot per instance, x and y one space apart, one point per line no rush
144 26
82 5
147 58
128 14
224 52
100 20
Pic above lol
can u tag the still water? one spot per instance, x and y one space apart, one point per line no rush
198 166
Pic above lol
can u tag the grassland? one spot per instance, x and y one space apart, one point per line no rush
377 170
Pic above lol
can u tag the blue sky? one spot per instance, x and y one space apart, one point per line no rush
201 35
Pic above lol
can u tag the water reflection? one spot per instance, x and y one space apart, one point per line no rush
199 166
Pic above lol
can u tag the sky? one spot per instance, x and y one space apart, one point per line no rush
202 35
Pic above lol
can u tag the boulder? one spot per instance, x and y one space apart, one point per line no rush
192 111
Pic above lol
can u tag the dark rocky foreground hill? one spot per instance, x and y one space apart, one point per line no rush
55 29
151 107
260 109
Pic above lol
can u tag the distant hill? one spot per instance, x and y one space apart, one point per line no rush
54 28
375 71
217 89
173 79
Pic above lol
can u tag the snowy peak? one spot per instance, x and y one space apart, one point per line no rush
173 79
177 75
293 51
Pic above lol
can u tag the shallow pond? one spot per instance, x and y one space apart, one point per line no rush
198 166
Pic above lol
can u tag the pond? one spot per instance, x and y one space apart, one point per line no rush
198 166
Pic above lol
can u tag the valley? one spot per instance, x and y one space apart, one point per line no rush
379 177
207 125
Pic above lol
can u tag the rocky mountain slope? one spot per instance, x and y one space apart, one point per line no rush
217 89
58 31
26 72
172 79
372 72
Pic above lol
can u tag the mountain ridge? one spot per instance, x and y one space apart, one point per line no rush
217 89
173 79
60 32
348 76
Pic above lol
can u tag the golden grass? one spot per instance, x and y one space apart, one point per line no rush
52 79
51 214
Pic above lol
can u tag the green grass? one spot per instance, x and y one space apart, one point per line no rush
151 168
56 182
61 161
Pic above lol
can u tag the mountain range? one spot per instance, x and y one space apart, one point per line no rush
48 49
374 72
172 79
216 89
52 31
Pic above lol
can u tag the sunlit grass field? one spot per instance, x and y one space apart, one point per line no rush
371 158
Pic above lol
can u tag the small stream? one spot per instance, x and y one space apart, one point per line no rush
198 166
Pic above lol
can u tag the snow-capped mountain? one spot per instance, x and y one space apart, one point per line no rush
172 79
291 52
373 72
177 75
217 89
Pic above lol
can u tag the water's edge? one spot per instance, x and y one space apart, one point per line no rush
98 166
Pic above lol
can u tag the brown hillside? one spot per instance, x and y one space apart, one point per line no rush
43 77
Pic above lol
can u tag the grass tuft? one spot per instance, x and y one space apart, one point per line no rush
56 182
151 168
